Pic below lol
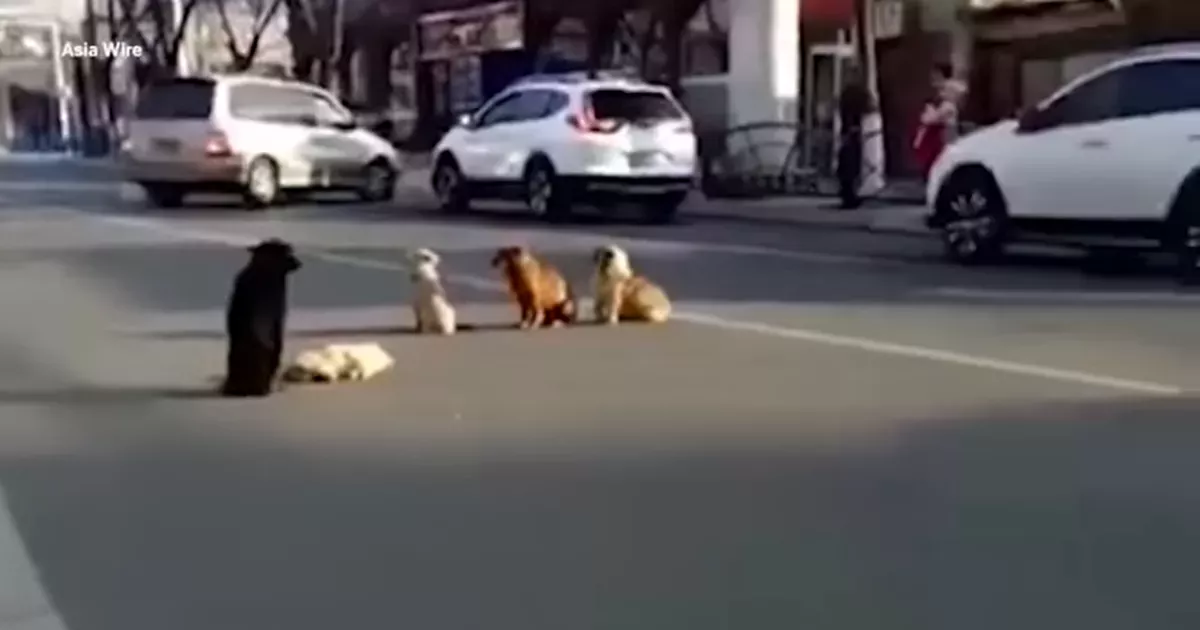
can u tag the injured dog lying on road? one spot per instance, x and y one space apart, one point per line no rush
619 294
339 363
541 292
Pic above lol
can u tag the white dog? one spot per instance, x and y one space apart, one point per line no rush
338 363
431 306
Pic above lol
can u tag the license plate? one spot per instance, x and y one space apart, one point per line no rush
165 145
640 159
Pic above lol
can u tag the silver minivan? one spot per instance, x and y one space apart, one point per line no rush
254 136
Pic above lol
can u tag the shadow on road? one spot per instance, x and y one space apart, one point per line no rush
1056 516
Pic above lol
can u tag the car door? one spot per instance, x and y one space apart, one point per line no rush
513 140
339 141
475 151
1059 148
269 120
1156 142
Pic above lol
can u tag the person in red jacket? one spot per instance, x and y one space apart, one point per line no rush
939 123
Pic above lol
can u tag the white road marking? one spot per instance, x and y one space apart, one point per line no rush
1063 297
24 604
706 319
933 354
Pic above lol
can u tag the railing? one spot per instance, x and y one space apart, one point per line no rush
767 159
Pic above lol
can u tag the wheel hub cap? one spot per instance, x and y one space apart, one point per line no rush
972 224
261 183
378 180
446 181
540 192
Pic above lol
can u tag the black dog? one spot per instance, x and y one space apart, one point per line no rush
255 320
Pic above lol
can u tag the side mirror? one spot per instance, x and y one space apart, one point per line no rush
1029 119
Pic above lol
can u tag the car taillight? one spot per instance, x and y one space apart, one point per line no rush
217 145
586 122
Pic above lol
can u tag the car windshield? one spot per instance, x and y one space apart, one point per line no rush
633 105
176 99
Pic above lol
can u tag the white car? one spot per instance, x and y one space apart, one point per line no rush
1110 160
557 140
255 136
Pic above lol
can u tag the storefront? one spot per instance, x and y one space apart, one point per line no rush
1025 49
467 56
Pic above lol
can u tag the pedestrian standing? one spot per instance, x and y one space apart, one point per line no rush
854 103
939 123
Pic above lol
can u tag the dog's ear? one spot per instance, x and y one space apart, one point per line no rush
503 254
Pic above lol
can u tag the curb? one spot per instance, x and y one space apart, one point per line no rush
889 225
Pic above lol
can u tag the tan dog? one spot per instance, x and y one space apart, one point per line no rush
431 307
541 292
620 294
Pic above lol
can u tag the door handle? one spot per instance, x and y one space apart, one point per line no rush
1095 143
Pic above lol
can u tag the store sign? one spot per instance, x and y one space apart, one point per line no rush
887 19
451 34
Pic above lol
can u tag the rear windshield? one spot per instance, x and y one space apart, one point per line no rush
176 99
633 105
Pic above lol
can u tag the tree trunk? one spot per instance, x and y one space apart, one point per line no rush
601 30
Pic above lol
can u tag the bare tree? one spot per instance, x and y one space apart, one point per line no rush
129 19
262 13
317 31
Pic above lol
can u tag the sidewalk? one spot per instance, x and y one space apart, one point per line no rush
881 216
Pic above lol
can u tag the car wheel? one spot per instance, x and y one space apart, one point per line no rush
972 217
378 182
164 195
663 209
450 187
1185 234
544 195
262 188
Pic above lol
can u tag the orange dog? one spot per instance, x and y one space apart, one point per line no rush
539 289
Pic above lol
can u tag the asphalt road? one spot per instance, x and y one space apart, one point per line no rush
839 432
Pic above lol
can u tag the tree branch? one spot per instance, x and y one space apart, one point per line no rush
260 28
231 44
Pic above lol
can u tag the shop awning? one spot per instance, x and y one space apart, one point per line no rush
990 5
829 13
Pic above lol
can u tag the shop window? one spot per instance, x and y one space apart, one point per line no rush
706 40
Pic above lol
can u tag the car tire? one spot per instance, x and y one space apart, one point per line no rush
663 209
262 188
164 195
378 182
972 218
1184 233
543 192
450 186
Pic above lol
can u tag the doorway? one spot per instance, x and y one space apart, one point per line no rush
823 77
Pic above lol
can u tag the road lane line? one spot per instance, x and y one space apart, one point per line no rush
24 604
933 354
1064 297
706 319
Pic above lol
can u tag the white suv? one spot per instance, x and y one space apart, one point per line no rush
254 136
556 140
1110 160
